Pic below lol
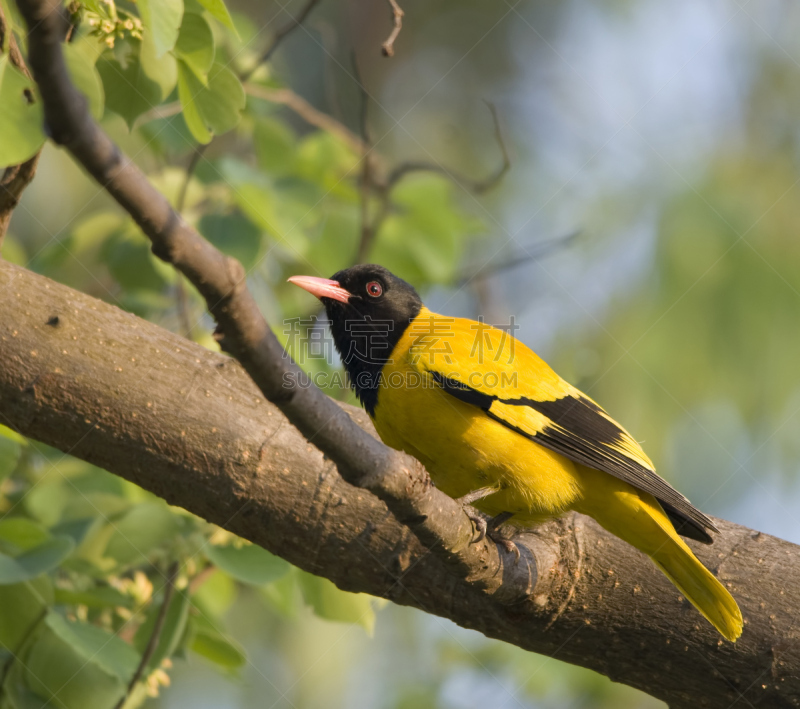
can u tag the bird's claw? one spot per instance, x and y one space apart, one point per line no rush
509 546
480 525
491 530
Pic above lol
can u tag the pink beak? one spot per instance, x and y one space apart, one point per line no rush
321 287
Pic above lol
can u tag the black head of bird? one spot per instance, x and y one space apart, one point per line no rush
369 309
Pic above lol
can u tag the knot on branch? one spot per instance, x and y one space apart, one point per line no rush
236 275
401 477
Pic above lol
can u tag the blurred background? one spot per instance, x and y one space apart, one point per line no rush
644 238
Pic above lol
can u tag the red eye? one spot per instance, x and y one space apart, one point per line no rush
374 289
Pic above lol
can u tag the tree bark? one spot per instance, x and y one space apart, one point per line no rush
190 426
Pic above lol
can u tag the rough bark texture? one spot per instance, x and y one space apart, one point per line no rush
189 425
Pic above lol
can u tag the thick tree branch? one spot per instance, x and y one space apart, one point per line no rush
399 480
15 178
190 426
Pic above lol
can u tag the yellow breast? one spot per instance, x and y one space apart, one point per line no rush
463 448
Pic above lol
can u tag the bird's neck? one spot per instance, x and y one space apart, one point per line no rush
365 346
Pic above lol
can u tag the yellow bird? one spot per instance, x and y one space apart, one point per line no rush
496 427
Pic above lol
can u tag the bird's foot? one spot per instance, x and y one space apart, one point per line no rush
480 522
494 533
481 527
508 545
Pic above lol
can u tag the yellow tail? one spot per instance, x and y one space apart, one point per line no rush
637 518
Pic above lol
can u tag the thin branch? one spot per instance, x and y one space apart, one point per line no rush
180 287
399 480
280 35
15 178
534 253
201 578
166 110
397 19
194 161
16 652
155 636
309 114
474 186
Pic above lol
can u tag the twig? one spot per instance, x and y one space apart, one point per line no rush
15 178
190 170
15 653
180 286
474 186
201 578
537 252
309 114
280 35
167 110
397 18
155 636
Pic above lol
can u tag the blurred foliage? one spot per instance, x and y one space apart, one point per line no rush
688 340
84 564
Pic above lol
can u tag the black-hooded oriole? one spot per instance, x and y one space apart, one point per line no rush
489 419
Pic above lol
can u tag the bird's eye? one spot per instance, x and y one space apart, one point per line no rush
374 289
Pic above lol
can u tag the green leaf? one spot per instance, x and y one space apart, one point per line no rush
76 665
46 501
218 10
11 434
129 90
10 452
22 606
19 696
22 532
234 235
216 594
162 70
21 116
275 145
331 603
84 75
13 252
211 109
98 597
195 46
337 244
35 561
324 159
162 18
248 564
283 595
217 648
132 263
144 528
171 632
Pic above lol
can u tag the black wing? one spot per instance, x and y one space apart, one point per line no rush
580 430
